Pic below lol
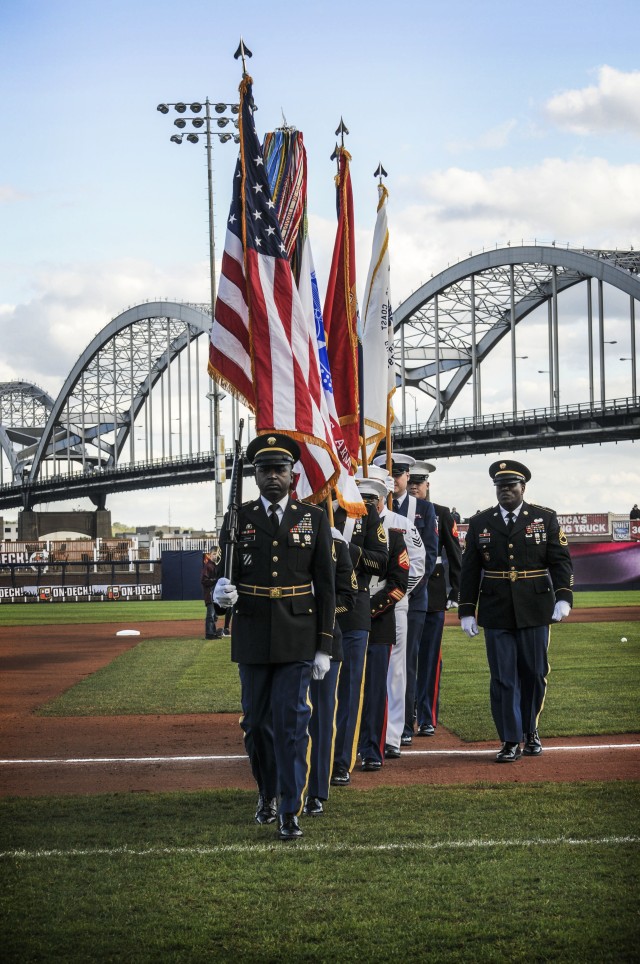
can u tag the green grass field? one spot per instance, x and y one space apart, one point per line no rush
125 611
594 684
481 872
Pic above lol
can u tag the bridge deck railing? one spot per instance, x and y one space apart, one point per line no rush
616 406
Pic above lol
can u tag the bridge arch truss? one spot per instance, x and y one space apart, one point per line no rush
136 393
448 328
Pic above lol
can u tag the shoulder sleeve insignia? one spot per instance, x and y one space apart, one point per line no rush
382 535
563 538
354 581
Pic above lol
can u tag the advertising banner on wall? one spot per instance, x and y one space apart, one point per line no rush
95 593
585 524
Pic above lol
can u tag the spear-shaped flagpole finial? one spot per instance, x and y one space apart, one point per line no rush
242 51
336 156
380 172
342 130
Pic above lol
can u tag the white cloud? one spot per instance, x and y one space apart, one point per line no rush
72 303
611 105
453 212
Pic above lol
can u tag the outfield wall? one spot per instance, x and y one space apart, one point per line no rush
597 566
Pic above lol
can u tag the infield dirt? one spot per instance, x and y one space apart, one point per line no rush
60 656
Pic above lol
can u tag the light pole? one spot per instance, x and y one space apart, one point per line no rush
632 359
602 368
225 116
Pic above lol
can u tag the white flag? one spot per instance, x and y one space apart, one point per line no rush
379 374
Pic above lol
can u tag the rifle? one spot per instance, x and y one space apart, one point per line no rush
235 500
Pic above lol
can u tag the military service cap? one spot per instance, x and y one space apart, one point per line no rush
506 470
371 487
399 463
420 471
273 448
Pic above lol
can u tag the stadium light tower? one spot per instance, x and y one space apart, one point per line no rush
223 116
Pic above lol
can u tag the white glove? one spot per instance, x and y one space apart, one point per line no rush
337 534
225 593
321 663
452 604
469 626
561 609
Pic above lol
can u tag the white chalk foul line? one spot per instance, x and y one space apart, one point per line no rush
217 758
320 847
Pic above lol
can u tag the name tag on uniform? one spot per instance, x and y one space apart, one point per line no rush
248 534
484 537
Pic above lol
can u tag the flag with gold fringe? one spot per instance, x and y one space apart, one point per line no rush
263 345
286 163
341 314
378 368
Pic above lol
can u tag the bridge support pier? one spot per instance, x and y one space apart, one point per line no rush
35 525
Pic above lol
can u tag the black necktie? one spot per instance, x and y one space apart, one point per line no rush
511 520
273 515
396 505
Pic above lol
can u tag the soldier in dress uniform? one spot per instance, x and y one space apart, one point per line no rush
423 691
517 573
283 595
367 543
404 657
323 692
389 605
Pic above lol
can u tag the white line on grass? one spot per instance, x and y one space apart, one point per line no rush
209 758
325 847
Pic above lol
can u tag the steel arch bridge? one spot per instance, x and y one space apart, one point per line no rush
141 366
453 323
132 411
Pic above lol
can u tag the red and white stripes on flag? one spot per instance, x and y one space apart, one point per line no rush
262 341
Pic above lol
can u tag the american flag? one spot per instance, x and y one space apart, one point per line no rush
262 342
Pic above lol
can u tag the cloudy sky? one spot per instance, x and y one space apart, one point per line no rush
496 122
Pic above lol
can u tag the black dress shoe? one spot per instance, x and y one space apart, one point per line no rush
267 809
288 827
532 745
313 807
340 777
392 752
406 739
509 753
369 765
426 730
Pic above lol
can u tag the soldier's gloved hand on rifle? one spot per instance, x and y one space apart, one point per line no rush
561 609
225 594
469 626
321 664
